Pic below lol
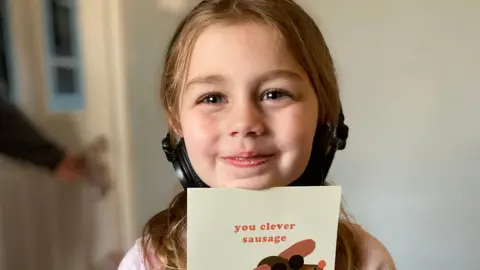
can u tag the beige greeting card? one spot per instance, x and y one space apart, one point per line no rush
281 228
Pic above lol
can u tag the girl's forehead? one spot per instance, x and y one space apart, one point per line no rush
237 50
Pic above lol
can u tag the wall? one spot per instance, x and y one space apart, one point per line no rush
410 87
407 71
148 29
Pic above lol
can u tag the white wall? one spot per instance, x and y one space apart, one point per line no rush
410 87
148 29
407 71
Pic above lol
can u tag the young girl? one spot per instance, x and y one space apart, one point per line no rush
250 92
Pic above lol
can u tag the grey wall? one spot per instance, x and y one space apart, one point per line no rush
409 87
148 31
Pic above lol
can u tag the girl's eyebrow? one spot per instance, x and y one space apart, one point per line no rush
268 76
209 79
280 73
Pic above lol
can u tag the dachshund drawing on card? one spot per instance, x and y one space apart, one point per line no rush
292 258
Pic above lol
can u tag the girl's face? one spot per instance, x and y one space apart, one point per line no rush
248 114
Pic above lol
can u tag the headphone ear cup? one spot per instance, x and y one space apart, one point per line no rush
178 156
191 179
314 174
177 166
172 156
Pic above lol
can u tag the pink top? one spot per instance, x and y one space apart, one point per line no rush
135 259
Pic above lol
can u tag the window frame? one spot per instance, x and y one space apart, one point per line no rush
10 52
63 102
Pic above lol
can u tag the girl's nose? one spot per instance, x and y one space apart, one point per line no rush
247 121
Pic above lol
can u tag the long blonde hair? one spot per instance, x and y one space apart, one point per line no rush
165 232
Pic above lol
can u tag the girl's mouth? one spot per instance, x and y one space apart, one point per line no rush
247 159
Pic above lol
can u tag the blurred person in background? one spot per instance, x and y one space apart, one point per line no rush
22 141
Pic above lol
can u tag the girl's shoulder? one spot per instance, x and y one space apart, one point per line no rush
136 259
374 255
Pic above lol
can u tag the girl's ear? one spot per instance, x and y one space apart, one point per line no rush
175 127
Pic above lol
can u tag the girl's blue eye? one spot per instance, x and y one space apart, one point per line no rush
216 98
275 94
212 99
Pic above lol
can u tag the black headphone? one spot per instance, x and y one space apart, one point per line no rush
326 142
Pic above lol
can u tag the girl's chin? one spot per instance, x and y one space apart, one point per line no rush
253 184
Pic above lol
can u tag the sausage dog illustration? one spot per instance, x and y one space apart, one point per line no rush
292 258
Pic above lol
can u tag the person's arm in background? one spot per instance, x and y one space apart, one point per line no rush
22 141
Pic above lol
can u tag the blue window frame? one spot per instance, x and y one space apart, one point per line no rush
8 79
63 61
